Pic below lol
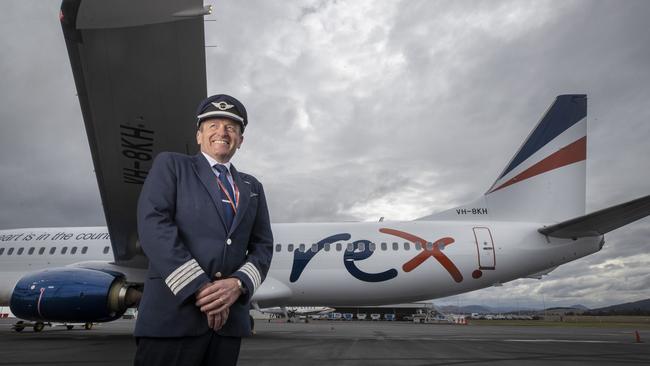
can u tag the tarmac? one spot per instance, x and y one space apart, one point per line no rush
349 343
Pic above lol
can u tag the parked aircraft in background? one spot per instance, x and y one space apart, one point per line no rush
138 98
292 312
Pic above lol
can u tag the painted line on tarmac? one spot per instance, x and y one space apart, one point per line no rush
557 341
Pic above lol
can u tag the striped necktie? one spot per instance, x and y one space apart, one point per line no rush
227 195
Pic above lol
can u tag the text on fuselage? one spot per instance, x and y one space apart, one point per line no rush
362 250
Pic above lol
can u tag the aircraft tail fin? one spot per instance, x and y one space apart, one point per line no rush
545 180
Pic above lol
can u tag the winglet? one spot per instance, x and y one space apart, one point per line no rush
600 222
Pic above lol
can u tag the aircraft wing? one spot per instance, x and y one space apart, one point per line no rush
314 310
139 69
600 222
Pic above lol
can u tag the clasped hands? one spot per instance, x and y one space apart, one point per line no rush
215 298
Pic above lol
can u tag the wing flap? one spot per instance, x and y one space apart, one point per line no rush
600 222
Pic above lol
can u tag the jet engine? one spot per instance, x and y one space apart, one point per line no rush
72 295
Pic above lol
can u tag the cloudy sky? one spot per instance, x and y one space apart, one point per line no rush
364 108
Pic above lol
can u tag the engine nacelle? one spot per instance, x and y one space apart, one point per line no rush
70 295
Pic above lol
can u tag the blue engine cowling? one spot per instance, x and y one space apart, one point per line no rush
69 295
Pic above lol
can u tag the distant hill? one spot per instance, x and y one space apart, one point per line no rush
579 307
465 309
636 307
468 309
631 308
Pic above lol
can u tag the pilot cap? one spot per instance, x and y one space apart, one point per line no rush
222 105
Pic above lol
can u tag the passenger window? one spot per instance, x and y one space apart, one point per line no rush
407 245
52 250
84 250
302 247
418 246
64 250
10 251
384 246
338 247
73 250
290 248
106 250
326 247
41 251
278 247
371 247
20 251
395 246
429 245
314 248
362 247
350 247
2 250
31 250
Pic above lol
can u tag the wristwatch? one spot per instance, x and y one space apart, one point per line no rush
241 286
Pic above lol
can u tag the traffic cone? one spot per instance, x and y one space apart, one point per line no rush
637 336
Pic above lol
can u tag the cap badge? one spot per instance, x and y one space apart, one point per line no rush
223 106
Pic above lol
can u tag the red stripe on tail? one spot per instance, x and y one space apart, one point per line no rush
572 153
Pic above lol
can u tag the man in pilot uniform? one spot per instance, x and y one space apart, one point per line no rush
205 228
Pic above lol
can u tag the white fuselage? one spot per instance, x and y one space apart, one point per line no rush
513 250
388 268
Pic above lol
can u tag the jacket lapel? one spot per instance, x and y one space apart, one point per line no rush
209 180
244 197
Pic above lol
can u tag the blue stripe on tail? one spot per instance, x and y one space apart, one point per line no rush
564 113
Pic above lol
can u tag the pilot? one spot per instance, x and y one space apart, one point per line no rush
205 228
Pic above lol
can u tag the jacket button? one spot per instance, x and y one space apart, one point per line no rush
229 241
217 275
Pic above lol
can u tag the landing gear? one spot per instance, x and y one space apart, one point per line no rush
38 326
19 326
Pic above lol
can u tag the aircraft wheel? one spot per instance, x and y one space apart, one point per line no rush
88 326
38 326
19 326
69 327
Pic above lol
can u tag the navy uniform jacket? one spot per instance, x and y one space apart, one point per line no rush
182 231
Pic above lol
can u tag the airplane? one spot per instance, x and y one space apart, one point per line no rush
137 98
294 311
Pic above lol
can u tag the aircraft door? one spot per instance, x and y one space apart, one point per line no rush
485 248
